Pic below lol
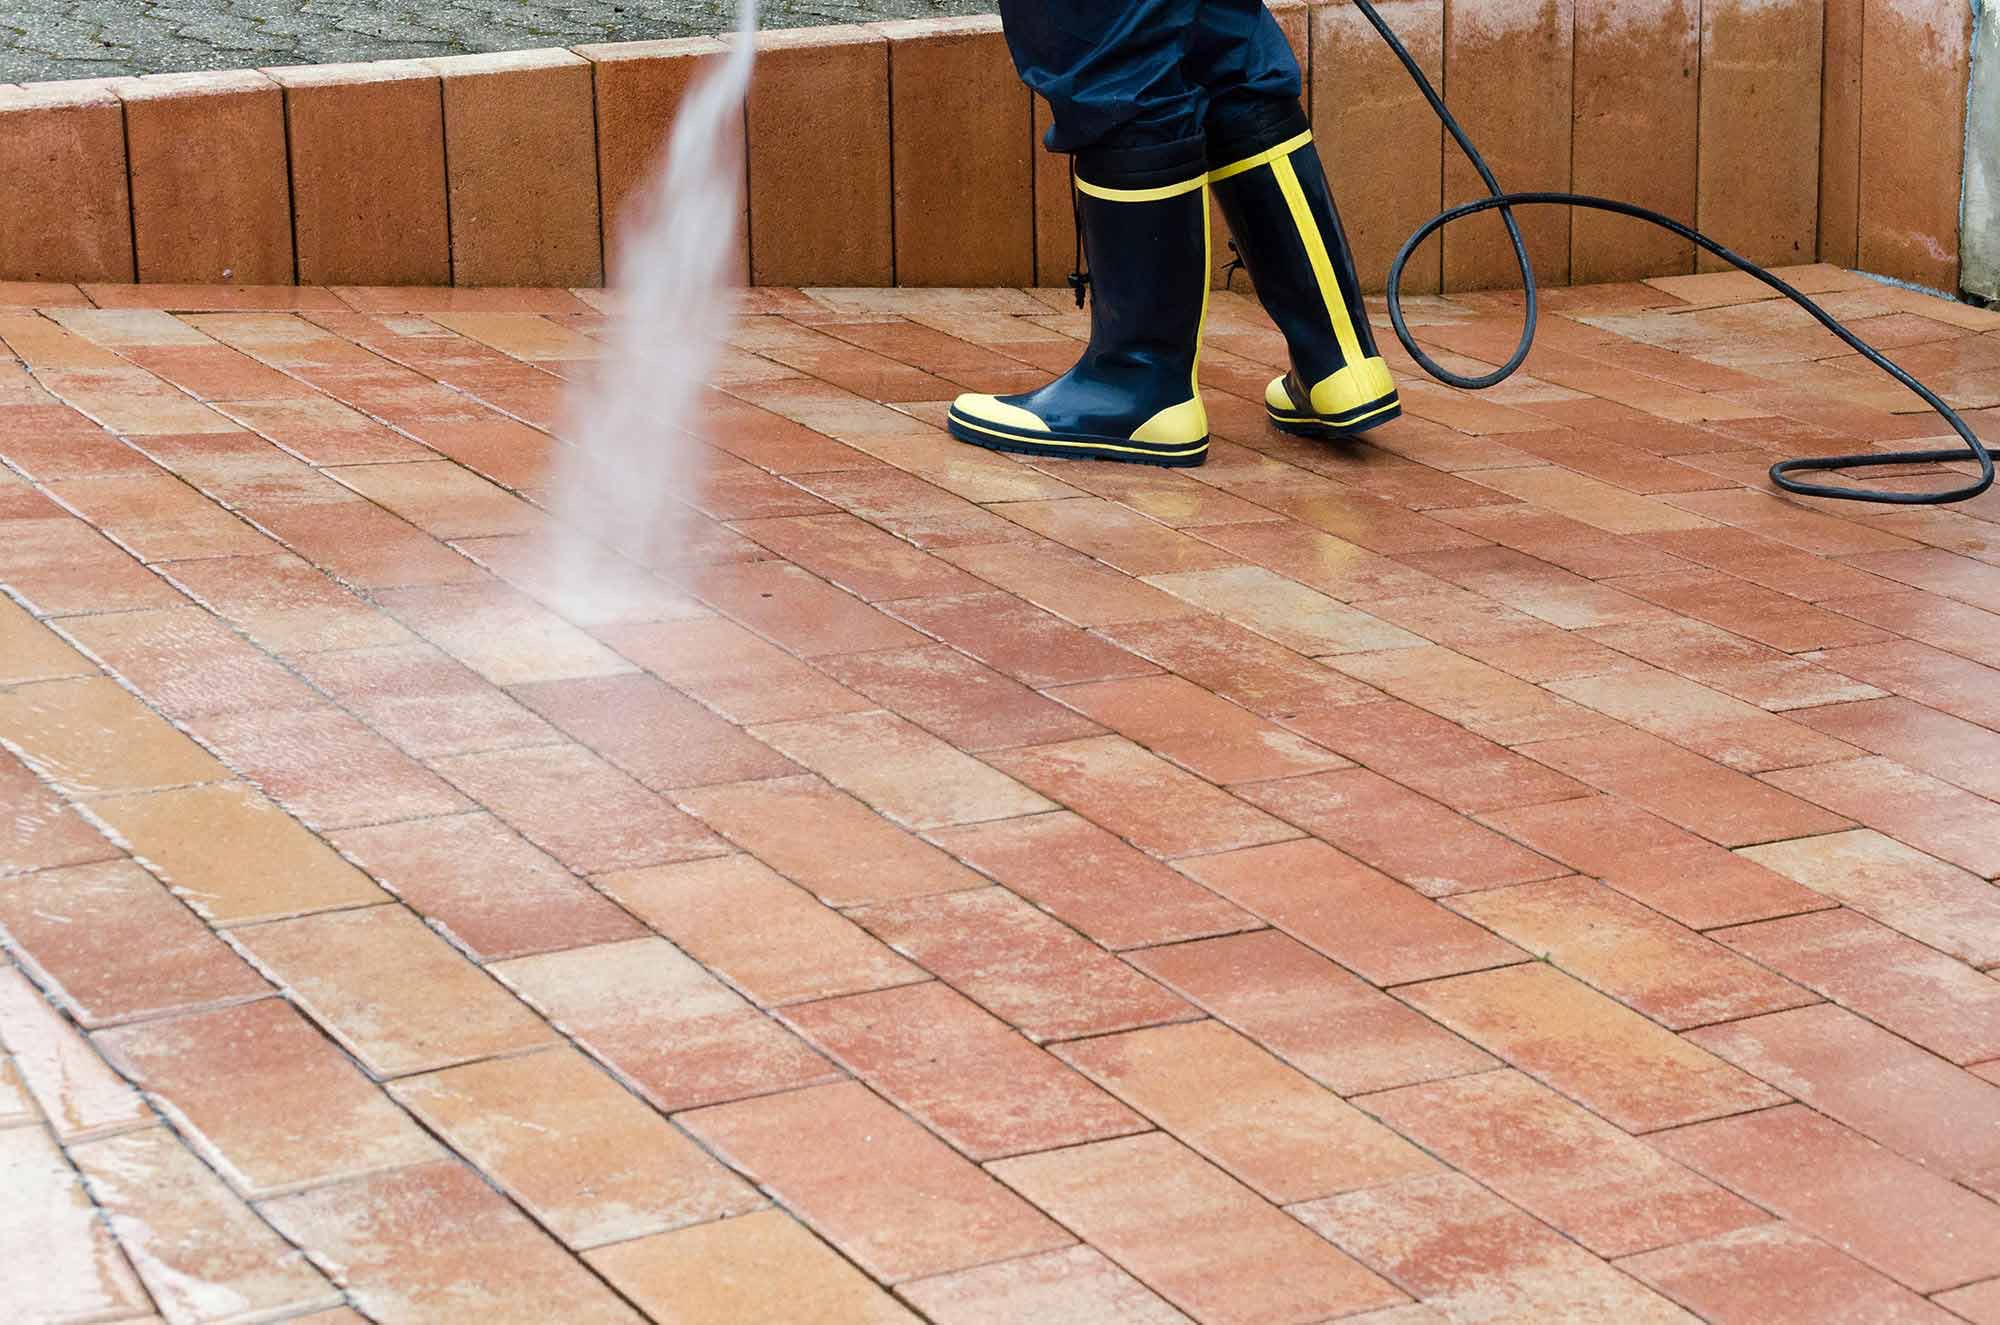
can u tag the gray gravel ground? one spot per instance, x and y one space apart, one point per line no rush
43 39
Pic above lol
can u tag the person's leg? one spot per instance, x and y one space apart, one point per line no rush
1274 192
1111 69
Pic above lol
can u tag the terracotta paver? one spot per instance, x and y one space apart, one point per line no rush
1088 878
1574 1171
1514 866
1454 1244
1141 797
434 1241
577 1150
1077 1284
234 857
1018 962
1676 873
1331 1025
897 1200
1631 1070
1926 898
1914 1225
825 840
755 1267
1825 1056
1778 1274
391 991
80 1271
1381 930
1193 1234
269 1101
54 1068
1638 956
960 1071
1284 1136
763 934
1408 837
112 944
485 887
193 1241
663 1023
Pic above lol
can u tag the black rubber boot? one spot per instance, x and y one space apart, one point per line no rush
1266 173
1142 216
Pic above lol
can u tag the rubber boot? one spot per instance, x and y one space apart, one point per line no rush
1267 175
1142 218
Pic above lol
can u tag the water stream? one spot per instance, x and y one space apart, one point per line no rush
634 422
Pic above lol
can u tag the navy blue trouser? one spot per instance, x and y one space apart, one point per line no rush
1130 73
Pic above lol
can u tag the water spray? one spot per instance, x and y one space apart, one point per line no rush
632 422
1504 202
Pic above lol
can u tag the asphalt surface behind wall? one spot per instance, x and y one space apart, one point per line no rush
51 39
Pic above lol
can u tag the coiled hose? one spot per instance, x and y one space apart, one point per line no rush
1504 203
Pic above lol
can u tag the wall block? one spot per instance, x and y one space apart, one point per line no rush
68 214
368 182
520 140
1916 58
1637 102
963 172
1508 66
1760 129
640 87
211 183
820 204
1383 148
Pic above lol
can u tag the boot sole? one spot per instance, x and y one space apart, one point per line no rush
1073 446
1351 424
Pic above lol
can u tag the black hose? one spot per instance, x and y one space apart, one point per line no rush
1781 473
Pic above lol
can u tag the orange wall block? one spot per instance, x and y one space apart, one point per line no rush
820 202
1507 77
1383 149
640 85
1760 129
520 144
368 185
1916 60
211 193
67 215
963 174
1840 134
1637 98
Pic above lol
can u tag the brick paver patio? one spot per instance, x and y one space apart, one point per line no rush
1518 869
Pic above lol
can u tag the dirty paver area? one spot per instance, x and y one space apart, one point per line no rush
52 39
1517 868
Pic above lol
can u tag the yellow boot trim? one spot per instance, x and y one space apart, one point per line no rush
1357 385
1178 425
1207 288
991 409
1322 261
1160 194
1264 158
1279 399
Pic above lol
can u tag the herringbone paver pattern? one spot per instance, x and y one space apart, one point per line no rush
1515 869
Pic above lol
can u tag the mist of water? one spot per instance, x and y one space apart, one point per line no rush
633 422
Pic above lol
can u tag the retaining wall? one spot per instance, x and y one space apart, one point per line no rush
906 152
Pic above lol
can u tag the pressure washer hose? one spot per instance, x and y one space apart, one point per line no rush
1781 473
